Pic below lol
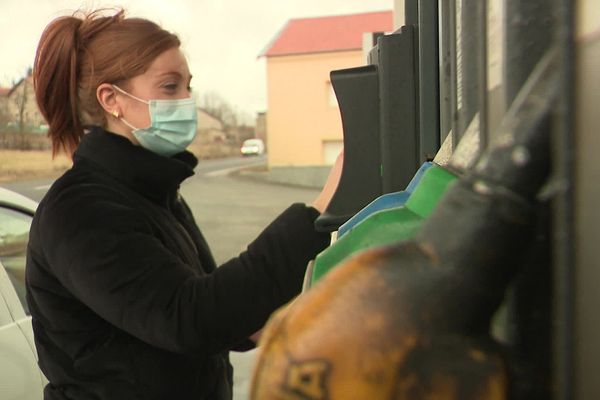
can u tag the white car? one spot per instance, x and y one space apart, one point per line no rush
20 376
251 147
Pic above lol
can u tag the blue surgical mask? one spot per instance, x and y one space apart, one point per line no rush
173 125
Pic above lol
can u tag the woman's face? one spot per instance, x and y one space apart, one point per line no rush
168 77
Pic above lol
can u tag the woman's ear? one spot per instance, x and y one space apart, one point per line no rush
107 98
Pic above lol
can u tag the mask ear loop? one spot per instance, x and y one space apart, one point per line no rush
133 128
116 113
130 95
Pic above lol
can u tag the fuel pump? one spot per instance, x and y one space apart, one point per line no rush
379 111
412 320
380 227
414 313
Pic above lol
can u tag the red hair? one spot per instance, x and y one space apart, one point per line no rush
78 53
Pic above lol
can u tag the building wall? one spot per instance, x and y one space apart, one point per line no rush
4 113
398 13
210 128
261 127
588 18
23 92
206 121
303 117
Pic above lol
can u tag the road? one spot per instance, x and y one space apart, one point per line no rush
231 211
35 189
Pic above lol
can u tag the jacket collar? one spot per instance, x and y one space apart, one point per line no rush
147 173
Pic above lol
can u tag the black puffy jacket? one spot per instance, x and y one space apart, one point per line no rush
126 300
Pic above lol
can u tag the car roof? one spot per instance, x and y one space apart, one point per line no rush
11 199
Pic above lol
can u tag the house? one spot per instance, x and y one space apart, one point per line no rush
210 128
20 107
4 94
303 122
260 126
4 114
213 139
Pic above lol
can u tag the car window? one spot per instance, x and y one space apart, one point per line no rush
14 236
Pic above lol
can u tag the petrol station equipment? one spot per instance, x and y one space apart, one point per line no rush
412 320
479 299
376 227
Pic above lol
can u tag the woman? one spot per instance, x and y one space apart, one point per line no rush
126 299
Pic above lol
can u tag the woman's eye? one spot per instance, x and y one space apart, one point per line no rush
170 86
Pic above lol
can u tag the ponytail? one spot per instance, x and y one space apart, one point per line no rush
78 53
55 83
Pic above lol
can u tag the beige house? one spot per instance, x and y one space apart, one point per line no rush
303 121
4 114
19 107
210 128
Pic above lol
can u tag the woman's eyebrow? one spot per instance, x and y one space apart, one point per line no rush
173 74
160 75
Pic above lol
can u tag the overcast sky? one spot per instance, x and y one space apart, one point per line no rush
221 38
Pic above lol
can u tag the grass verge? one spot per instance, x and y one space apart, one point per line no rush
35 164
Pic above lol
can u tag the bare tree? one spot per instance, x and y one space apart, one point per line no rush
21 99
21 102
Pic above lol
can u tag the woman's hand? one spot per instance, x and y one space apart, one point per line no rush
323 199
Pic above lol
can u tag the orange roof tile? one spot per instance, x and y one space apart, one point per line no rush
323 34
